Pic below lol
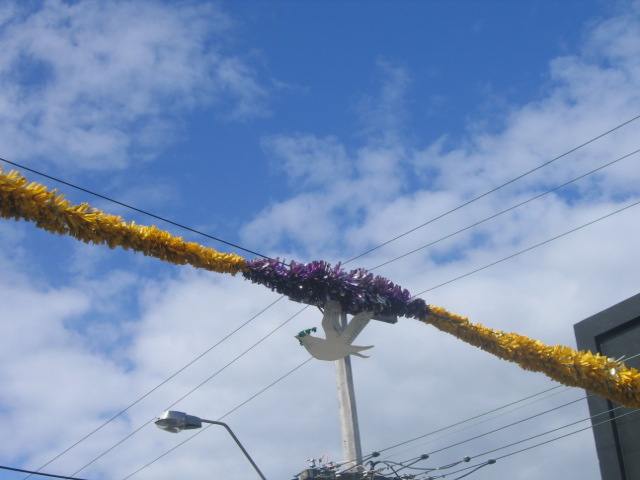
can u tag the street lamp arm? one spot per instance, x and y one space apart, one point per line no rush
246 454
173 422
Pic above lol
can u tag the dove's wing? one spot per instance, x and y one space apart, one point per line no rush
356 325
331 320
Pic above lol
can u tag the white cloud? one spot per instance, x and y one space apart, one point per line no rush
100 83
339 188
58 357
337 183
540 294
309 161
59 367
587 95
385 115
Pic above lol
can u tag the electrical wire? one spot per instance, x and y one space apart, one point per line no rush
497 409
404 465
491 461
495 189
528 249
569 434
507 426
275 382
490 419
244 324
494 460
42 474
571 231
500 408
220 418
473 468
264 389
135 209
194 389
470 418
552 431
188 393
542 243
504 211
495 263
161 456
171 222
166 380
369 251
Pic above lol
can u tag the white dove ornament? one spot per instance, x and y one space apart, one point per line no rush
337 343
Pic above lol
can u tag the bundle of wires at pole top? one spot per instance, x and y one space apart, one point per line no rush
369 469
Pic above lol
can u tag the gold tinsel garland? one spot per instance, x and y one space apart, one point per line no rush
593 372
49 211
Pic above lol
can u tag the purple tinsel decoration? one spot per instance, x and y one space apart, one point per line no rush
356 291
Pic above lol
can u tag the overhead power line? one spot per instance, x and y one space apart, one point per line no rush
177 372
504 211
538 444
500 409
568 434
264 256
238 357
440 430
262 391
217 239
504 427
472 468
42 474
111 448
135 209
220 418
476 424
529 248
497 409
493 190
193 390
448 427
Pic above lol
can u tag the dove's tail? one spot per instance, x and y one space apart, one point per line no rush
360 349
363 348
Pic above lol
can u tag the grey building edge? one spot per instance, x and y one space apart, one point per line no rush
614 332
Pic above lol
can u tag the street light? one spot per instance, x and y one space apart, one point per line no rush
174 422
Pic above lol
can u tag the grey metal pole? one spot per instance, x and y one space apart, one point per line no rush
351 448
246 454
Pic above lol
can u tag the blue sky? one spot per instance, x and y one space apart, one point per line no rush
309 131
